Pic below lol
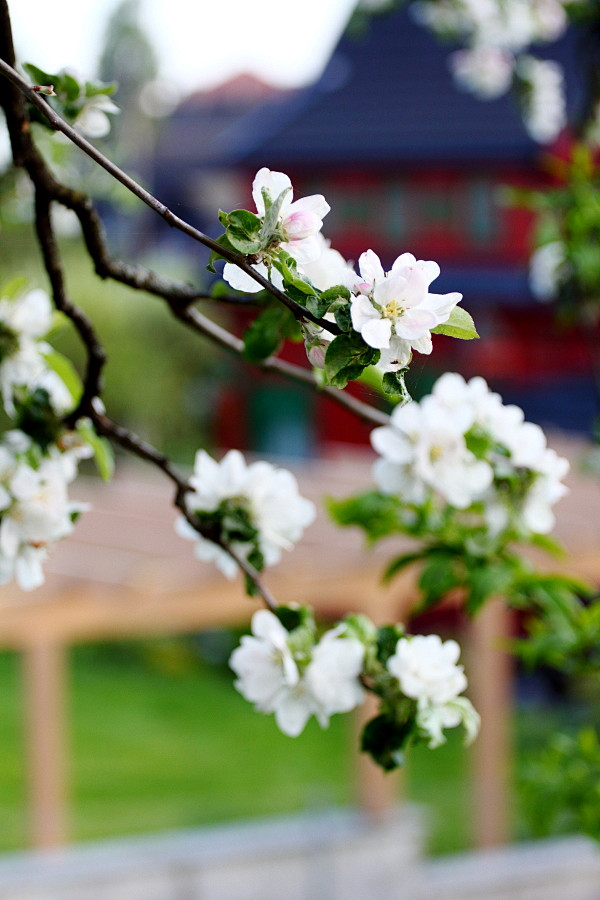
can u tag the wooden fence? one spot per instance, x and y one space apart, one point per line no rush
125 574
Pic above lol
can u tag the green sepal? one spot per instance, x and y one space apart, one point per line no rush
385 739
272 211
103 452
459 325
346 357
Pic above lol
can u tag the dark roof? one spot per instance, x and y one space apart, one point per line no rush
387 97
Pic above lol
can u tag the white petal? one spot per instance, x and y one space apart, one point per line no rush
370 267
376 333
274 183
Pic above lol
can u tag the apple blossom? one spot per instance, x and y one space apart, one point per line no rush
256 507
395 310
547 269
35 510
278 680
23 321
427 671
544 105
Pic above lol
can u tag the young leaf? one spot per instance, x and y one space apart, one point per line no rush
346 357
393 385
459 325
384 739
267 332
103 453
67 373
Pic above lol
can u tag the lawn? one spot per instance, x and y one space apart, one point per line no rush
162 741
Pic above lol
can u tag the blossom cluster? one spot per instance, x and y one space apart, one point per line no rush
35 509
253 508
462 447
24 320
393 312
292 673
496 34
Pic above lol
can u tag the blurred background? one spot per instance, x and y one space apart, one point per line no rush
368 116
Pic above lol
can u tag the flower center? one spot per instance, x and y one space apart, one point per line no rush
393 309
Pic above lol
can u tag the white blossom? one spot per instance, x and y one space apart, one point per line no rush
486 72
329 268
547 268
425 452
35 510
544 104
268 495
423 449
395 311
427 671
241 281
271 678
94 119
23 321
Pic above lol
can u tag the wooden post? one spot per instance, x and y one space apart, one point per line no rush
490 678
376 790
44 680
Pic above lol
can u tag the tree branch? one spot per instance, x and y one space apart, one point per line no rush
299 311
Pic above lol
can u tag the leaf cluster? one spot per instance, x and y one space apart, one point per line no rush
71 93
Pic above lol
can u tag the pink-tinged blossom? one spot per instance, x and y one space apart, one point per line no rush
299 220
395 312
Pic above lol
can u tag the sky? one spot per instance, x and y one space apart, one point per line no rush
201 44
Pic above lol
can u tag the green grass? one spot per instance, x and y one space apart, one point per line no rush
171 745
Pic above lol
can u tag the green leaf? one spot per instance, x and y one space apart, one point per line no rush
438 577
375 512
489 580
290 618
39 76
265 335
14 286
96 88
70 86
317 305
241 243
459 325
385 739
243 220
393 385
346 357
387 641
67 373
343 317
223 241
103 453
400 563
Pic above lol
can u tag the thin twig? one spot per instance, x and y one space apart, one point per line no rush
301 375
299 311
